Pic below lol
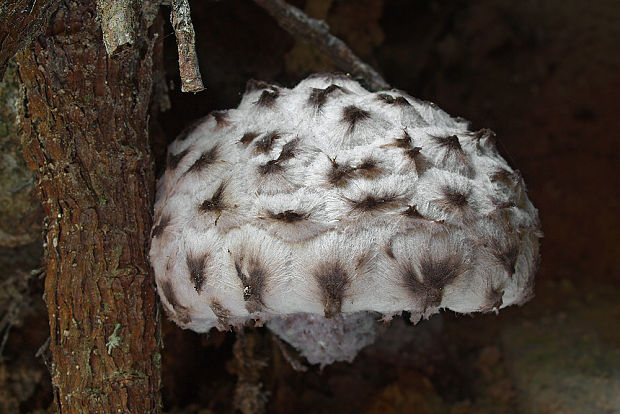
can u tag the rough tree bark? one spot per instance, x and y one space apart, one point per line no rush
86 137
21 21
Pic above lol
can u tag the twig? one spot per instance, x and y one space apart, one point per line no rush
316 32
180 17
118 23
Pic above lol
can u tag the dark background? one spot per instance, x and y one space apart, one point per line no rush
545 76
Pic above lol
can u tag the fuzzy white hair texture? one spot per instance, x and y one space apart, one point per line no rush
323 208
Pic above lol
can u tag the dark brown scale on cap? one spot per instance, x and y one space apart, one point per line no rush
248 137
450 142
419 161
221 119
339 174
254 283
289 216
270 167
318 96
289 150
404 141
268 98
432 278
413 153
216 202
205 160
160 227
179 312
351 115
265 144
373 202
333 283
455 199
438 273
221 313
196 267
452 146
369 168
396 101
173 160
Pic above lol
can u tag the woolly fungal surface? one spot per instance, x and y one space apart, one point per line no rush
330 200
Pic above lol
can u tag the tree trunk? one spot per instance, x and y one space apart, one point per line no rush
86 137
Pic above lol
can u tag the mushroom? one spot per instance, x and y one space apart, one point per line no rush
321 209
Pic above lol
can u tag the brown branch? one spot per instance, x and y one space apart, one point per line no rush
316 32
180 17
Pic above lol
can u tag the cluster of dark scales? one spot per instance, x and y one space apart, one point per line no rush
397 167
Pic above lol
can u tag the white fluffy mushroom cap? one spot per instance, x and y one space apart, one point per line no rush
329 199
